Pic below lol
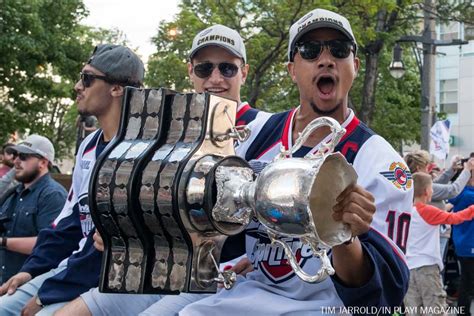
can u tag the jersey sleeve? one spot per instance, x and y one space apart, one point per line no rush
382 172
450 190
389 282
435 216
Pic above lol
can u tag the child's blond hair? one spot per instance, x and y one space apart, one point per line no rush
421 181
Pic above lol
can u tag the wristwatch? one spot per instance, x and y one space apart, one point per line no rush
38 301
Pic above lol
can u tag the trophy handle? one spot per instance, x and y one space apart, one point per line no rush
226 278
337 131
326 267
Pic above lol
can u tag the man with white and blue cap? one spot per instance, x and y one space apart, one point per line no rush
30 206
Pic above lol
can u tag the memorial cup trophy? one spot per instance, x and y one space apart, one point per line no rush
170 190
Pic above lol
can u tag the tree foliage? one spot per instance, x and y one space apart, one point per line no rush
390 107
42 48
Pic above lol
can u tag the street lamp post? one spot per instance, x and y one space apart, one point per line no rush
427 68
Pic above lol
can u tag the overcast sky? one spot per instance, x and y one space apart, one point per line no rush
137 19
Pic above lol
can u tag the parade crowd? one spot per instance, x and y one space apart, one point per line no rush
402 212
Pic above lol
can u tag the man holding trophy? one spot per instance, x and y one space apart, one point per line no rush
218 65
370 270
310 213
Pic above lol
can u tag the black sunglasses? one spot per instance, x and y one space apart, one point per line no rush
204 70
312 49
10 151
24 157
87 79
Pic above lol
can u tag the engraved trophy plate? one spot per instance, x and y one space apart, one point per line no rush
125 252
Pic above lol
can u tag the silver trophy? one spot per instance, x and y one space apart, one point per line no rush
169 190
292 197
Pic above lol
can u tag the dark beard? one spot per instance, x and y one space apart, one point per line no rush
324 113
8 163
28 177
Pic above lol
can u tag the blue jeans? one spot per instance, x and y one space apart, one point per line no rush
102 304
11 305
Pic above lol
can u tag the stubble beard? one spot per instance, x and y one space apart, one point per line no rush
324 112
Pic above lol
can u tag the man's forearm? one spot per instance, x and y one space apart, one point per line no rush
23 245
352 266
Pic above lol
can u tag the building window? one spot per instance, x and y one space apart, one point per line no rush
449 31
448 96
468 32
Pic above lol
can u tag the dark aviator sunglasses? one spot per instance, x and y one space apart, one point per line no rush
310 50
87 79
23 156
204 70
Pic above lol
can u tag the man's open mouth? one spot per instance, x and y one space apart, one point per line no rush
326 84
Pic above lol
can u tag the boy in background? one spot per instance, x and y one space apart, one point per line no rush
423 253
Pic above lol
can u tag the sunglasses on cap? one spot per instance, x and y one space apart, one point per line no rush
87 79
310 50
204 70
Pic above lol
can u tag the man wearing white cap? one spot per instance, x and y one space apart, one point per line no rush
31 206
371 275
218 65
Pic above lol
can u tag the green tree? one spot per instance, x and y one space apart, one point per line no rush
390 107
42 48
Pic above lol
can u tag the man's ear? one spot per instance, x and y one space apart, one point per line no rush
356 65
245 72
427 193
117 90
44 164
291 70
190 70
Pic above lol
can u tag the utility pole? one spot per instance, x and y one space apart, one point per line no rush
427 67
428 101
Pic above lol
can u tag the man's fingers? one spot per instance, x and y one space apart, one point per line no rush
13 286
356 202
355 207
98 242
4 287
357 224
243 266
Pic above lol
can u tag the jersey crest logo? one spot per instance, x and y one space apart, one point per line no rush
399 175
272 261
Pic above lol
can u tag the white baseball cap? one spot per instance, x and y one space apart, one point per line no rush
36 144
222 36
319 18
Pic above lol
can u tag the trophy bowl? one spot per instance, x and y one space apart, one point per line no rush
295 197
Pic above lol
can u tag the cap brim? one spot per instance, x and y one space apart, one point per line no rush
26 150
319 25
23 149
227 48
